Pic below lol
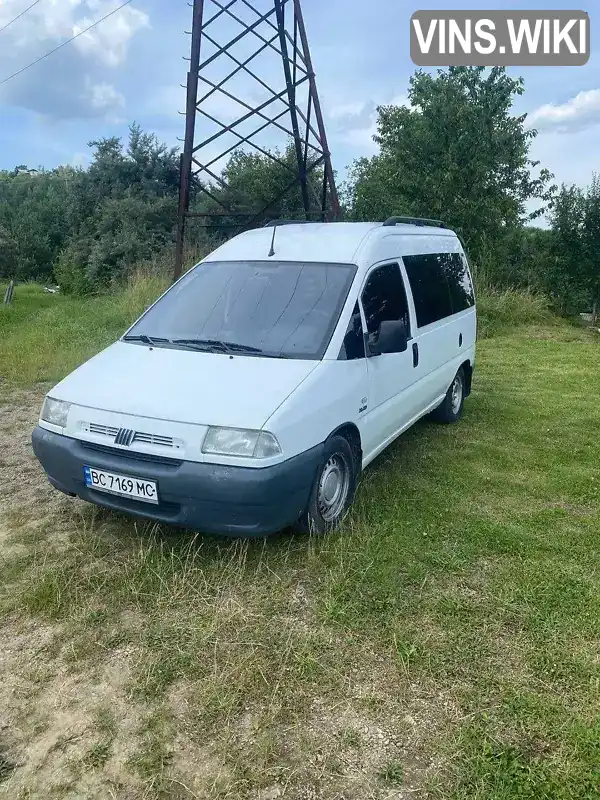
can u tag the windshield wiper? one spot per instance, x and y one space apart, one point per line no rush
224 347
219 346
146 339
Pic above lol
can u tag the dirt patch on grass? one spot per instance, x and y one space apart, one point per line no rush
67 732
373 735
51 732
277 704
26 498
574 509
9 548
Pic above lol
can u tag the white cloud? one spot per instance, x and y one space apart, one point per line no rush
55 20
351 109
357 122
579 112
108 41
104 100
166 100
170 99
400 100
104 96
72 82
571 155
362 138
46 20
80 160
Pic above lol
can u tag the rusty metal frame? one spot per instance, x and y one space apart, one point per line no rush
278 28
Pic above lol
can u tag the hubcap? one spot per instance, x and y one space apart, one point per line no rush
457 393
333 489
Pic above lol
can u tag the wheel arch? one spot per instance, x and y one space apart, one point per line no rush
467 369
350 432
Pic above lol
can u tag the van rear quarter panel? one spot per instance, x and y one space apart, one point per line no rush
440 348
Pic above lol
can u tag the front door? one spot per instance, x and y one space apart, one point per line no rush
393 394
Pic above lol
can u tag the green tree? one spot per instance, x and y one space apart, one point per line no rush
591 245
124 210
527 254
34 212
565 279
458 153
250 181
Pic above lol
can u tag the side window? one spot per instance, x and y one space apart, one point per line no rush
429 287
353 346
459 282
384 298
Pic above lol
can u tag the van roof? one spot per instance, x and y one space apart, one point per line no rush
331 242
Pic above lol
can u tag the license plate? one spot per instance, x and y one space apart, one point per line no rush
123 485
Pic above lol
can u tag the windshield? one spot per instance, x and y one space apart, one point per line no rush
283 309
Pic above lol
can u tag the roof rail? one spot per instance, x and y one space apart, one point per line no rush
277 222
421 221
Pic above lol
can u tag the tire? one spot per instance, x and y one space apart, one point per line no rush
333 489
451 409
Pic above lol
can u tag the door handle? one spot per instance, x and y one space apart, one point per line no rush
460 340
415 354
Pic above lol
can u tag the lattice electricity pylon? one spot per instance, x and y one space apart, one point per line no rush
255 83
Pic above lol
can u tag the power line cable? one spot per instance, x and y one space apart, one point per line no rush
8 24
77 35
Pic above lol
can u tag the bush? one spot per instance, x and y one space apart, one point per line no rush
70 273
502 310
142 288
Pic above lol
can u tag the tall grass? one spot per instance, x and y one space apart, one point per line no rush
445 637
503 310
46 336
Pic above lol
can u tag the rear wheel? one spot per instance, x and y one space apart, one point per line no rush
451 409
333 489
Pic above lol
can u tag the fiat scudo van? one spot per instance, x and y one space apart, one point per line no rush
253 393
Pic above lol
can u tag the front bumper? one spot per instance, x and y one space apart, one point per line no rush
234 501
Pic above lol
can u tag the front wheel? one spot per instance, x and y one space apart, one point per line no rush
451 408
333 490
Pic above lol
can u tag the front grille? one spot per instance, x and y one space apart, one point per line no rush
153 438
131 454
136 436
103 430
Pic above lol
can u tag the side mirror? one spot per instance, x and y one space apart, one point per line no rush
391 338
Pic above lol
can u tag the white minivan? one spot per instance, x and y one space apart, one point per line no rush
250 396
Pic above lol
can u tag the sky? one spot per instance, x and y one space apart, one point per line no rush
131 67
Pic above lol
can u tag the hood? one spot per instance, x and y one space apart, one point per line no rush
184 385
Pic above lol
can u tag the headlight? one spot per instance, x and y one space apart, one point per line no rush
236 442
55 412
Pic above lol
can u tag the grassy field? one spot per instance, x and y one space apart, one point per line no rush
444 644
45 336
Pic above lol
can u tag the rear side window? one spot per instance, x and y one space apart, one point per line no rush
384 298
456 271
429 287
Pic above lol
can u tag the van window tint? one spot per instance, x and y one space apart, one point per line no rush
280 308
456 271
353 346
384 298
429 287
